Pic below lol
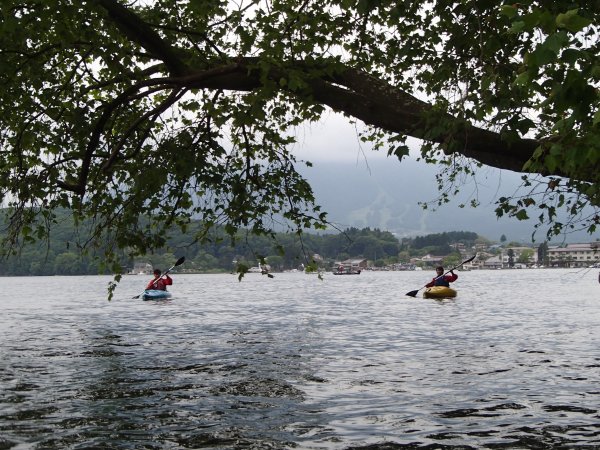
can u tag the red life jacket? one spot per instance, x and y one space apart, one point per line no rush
160 283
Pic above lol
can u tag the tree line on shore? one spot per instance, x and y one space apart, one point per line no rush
62 253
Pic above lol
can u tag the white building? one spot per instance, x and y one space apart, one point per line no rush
141 268
574 255
495 262
502 260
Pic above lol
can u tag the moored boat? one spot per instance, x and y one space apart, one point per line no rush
439 292
347 269
347 272
155 294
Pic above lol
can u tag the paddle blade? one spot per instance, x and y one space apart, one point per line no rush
180 261
470 259
412 293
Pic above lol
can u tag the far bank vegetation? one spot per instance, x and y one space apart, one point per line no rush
63 254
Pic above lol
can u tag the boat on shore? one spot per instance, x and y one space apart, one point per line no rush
439 292
346 271
263 269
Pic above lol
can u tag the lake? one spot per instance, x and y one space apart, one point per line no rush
349 362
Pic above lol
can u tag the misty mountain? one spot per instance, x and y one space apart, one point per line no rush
385 194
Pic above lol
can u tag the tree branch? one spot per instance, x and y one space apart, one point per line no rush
140 32
377 103
351 91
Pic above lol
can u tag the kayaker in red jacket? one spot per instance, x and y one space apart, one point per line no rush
159 283
440 280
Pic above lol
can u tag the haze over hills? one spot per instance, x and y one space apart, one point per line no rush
384 193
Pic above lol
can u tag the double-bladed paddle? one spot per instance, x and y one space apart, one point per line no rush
179 262
414 293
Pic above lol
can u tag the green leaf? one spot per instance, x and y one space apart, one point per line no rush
522 215
517 27
522 79
556 41
572 21
509 11
551 163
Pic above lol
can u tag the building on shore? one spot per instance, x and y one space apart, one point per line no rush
574 255
141 268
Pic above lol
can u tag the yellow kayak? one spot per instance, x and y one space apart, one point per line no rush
439 292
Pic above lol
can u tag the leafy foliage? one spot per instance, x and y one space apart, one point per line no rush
141 116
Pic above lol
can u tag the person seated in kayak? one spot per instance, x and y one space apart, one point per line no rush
440 280
159 283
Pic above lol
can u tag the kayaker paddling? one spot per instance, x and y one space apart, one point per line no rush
159 282
441 279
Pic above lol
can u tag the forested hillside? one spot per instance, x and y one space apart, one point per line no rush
66 252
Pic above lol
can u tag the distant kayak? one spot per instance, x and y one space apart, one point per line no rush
155 294
439 292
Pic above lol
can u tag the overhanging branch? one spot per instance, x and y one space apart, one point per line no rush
381 105
350 91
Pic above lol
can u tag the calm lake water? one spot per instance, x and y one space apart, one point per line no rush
349 362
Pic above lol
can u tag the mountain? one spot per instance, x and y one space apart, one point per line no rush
385 193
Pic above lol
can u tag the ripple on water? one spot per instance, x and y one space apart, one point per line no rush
292 362
260 387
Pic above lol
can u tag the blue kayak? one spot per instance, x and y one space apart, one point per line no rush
155 294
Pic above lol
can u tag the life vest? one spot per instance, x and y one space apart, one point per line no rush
442 282
160 284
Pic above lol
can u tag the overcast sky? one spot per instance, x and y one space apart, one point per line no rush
333 138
